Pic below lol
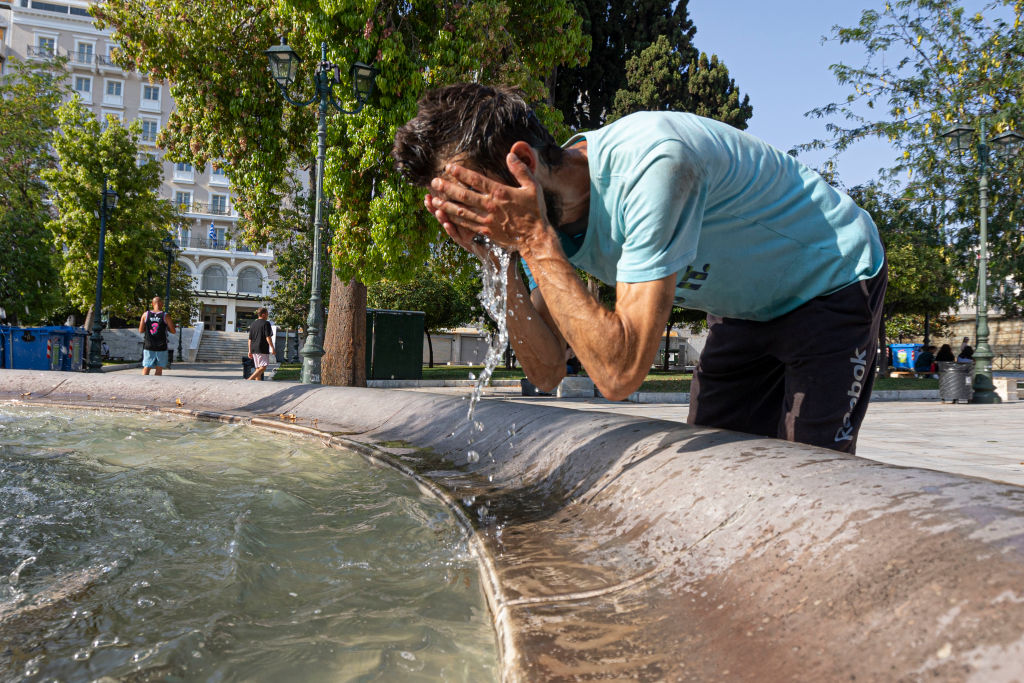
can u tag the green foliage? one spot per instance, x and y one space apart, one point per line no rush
293 262
228 106
619 30
134 258
928 64
30 93
922 277
657 79
444 303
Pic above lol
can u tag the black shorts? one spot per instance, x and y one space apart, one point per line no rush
805 376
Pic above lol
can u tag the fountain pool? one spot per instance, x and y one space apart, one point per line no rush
148 547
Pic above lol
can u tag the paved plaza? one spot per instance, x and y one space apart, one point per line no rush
974 440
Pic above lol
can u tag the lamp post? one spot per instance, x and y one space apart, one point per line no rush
171 251
1004 145
108 202
284 64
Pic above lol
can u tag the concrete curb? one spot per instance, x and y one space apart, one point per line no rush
638 549
120 366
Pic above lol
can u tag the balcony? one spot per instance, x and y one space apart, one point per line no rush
41 52
217 245
205 209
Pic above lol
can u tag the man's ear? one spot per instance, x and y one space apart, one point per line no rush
526 154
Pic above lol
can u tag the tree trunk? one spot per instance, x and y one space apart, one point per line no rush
88 333
430 347
668 332
344 362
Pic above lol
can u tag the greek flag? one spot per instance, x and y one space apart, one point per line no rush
213 235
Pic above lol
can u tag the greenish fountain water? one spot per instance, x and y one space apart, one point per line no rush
149 547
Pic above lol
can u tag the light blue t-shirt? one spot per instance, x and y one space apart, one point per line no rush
751 232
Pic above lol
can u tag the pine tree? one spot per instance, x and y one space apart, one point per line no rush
619 30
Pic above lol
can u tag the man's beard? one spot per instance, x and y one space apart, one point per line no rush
553 204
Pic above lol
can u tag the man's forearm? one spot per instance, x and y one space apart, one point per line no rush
615 347
540 350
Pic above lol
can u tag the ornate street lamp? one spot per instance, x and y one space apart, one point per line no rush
284 65
108 202
1005 145
171 249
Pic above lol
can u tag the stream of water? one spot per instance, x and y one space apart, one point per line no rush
148 547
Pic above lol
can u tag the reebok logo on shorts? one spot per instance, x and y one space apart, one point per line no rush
860 369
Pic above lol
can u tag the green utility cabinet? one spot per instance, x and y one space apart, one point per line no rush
394 344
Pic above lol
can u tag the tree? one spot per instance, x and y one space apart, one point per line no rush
922 274
89 153
657 80
29 281
619 30
229 108
929 63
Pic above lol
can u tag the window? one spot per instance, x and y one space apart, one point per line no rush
219 204
150 97
145 157
184 235
183 172
183 201
218 176
45 46
83 53
250 281
83 86
106 115
150 129
215 278
112 93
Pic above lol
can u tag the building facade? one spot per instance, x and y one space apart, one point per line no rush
230 280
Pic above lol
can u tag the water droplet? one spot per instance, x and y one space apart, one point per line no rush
407 655
145 602
81 655
472 376
473 456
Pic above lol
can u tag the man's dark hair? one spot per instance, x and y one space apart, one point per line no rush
473 122
262 312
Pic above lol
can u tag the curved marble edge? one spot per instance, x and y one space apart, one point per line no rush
617 547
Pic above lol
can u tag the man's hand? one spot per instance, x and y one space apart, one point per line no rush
469 203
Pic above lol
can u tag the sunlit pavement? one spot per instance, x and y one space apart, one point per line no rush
984 441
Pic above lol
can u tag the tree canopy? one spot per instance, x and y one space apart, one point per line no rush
657 79
619 30
30 93
90 152
229 107
929 64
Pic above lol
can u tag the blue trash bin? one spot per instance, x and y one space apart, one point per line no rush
3 349
29 348
904 355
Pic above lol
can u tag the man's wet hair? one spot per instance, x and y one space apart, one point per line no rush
476 124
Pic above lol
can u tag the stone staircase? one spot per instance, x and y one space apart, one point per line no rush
223 347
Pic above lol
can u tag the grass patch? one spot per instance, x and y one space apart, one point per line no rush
905 383
288 372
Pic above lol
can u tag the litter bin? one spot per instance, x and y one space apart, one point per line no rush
29 348
904 355
394 344
956 381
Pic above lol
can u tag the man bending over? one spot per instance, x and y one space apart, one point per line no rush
673 209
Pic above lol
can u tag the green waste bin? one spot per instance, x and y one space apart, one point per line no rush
394 344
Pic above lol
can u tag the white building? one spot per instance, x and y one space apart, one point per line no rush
231 281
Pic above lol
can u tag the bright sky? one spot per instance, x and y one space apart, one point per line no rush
775 53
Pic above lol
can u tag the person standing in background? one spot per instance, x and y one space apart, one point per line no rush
261 343
154 327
